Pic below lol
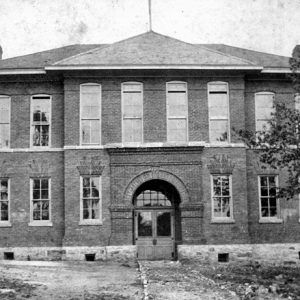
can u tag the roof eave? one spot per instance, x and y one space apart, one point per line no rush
278 70
17 71
153 67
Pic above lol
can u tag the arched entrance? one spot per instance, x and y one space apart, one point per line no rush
156 213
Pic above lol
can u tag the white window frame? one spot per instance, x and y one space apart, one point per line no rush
142 117
100 115
221 219
31 120
40 222
277 218
297 101
90 221
209 89
6 223
9 133
178 117
255 104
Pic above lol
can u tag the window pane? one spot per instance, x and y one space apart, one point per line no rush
90 108
132 105
41 110
36 194
163 224
132 131
95 132
45 215
90 88
273 211
4 205
217 87
86 131
177 130
218 106
177 104
95 209
225 207
297 101
45 194
263 181
4 110
132 87
145 223
4 135
3 195
4 215
218 130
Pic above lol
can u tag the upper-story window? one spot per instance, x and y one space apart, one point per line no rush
297 101
177 112
4 122
40 120
132 109
90 114
218 105
4 200
263 108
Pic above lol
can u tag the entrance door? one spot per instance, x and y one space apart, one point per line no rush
154 233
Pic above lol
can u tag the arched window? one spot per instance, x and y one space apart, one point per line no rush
264 102
4 121
132 112
40 121
90 114
177 112
218 105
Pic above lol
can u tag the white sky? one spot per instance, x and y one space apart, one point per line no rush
28 26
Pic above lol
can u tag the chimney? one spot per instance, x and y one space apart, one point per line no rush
1 52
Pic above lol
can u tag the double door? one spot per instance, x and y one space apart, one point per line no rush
154 233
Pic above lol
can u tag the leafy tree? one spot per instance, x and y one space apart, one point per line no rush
278 144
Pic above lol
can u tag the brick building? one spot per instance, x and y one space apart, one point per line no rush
127 149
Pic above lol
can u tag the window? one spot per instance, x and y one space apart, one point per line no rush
177 112
90 112
4 122
4 200
263 108
297 101
218 105
40 194
90 199
269 204
40 120
221 197
132 107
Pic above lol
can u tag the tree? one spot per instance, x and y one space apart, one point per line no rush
278 144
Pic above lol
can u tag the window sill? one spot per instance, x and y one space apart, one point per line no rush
220 221
5 224
40 224
266 220
90 222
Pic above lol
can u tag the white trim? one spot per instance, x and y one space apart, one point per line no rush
100 114
178 117
7 223
221 219
31 120
228 113
21 71
31 150
146 67
9 138
40 222
278 70
269 219
90 221
122 110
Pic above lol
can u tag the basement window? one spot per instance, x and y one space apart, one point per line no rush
223 257
90 257
9 256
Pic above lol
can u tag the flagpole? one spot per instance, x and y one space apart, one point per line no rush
150 16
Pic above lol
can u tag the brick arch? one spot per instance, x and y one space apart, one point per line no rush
156 174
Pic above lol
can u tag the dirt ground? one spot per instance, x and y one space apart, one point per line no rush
185 281
69 280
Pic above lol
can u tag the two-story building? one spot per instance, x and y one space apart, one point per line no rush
127 150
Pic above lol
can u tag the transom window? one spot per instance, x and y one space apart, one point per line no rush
269 205
177 112
4 122
40 198
40 120
263 108
132 103
221 197
4 200
152 198
90 198
218 105
90 114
